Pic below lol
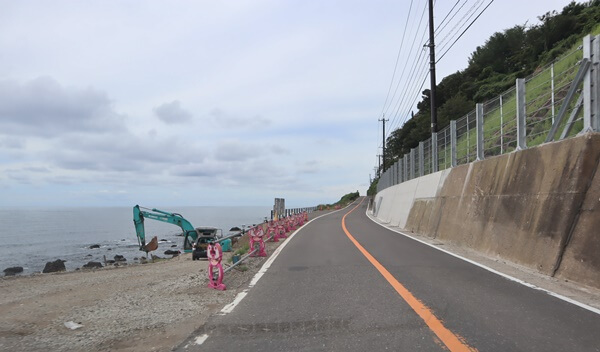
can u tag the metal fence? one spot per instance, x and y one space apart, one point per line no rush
563 97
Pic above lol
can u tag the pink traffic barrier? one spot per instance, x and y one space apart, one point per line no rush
301 219
214 253
256 236
281 230
272 232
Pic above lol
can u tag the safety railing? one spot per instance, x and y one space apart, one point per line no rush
556 102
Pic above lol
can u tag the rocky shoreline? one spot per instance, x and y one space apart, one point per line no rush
135 307
58 265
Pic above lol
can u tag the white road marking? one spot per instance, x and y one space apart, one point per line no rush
229 308
240 296
200 339
506 276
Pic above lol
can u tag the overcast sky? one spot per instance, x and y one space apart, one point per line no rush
167 103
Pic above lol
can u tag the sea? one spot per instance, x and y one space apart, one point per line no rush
31 237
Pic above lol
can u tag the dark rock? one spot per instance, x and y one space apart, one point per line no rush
163 240
235 229
13 270
110 262
171 252
110 249
94 246
92 265
120 258
173 246
55 266
89 255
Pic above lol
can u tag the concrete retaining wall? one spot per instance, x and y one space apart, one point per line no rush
539 207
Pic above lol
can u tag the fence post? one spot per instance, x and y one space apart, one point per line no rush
452 143
479 121
406 173
412 163
401 170
445 148
434 152
551 89
521 127
421 158
501 128
591 103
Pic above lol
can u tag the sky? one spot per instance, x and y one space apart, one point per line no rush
186 103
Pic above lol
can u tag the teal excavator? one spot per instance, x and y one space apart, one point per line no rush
200 236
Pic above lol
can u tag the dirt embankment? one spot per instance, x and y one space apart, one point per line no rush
149 307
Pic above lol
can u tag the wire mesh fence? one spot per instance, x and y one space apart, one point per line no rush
552 93
444 149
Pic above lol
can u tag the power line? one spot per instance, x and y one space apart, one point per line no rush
449 12
408 88
397 57
469 26
409 55
410 91
390 102
415 62
466 17
441 28
407 107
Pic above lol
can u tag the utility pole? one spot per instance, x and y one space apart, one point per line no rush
383 141
432 69
434 128
379 168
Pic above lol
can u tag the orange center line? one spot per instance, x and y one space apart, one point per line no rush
452 341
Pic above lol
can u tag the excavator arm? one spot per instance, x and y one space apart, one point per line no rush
190 234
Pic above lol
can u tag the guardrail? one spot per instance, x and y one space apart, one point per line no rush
294 211
531 113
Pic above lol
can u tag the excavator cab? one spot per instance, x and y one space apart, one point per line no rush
204 236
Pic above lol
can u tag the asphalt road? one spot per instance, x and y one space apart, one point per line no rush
324 294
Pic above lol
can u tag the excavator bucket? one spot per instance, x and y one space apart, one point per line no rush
152 245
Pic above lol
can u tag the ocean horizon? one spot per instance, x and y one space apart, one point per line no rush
32 236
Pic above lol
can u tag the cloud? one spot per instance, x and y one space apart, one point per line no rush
228 121
309 167
122 151
234 150
278 149
172 113
9 142
42 107
206 169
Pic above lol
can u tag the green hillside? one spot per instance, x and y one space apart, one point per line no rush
523 51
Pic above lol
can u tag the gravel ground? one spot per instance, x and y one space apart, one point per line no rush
140 307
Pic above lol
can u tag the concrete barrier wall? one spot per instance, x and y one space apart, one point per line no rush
538 207
395 203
